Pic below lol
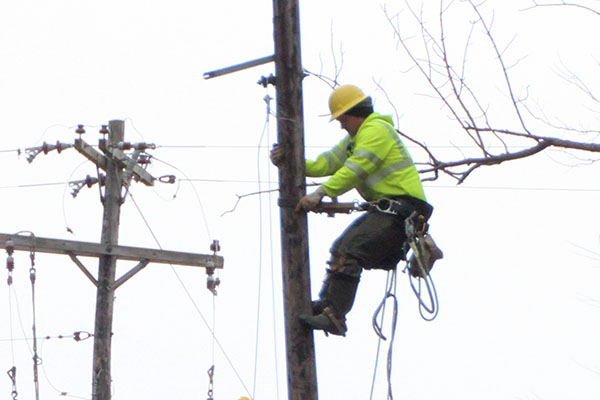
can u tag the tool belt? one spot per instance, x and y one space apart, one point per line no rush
400 206
424 250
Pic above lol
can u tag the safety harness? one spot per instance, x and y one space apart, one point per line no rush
424 252
419 243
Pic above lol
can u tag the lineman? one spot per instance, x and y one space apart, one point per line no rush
372 159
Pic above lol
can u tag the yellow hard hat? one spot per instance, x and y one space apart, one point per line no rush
244 398
343 99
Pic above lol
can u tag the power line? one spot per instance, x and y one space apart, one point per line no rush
254 147
455 187
540 189
190 297
30 185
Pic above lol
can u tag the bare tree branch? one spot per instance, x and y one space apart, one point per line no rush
461 100
501 61
562 3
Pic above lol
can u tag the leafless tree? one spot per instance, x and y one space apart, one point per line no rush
497 136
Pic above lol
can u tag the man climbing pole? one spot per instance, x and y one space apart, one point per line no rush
373 160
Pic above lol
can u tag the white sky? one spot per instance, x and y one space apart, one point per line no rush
518 286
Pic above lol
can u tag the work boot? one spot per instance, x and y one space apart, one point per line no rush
317 307
335 301
326 321
339 286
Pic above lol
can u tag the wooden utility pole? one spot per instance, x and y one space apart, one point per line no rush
120 169
113 252
101 377
301 369
302 381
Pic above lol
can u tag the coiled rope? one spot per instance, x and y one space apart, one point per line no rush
390 293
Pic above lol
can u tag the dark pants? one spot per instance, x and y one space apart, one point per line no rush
374 240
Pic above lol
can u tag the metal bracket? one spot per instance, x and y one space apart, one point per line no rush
239 67
333 207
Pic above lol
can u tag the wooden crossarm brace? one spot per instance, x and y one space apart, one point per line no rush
121 158
90 153
141 265
129 274
83 269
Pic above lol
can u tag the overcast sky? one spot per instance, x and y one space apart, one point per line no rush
519 301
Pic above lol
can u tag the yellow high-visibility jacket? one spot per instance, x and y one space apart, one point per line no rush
374 161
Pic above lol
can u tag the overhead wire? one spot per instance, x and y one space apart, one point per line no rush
134 128
71 336
20 318
195 193
64 211
265 132
271 260
260 255
37 360
260 249
251 147
428 186
53 126
190 297
226 181
246 147
32 185
62 393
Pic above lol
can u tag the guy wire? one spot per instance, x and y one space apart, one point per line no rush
60 392
187 292
20 318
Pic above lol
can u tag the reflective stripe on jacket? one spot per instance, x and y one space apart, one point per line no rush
374 161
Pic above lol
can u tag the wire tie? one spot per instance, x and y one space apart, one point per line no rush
167 179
